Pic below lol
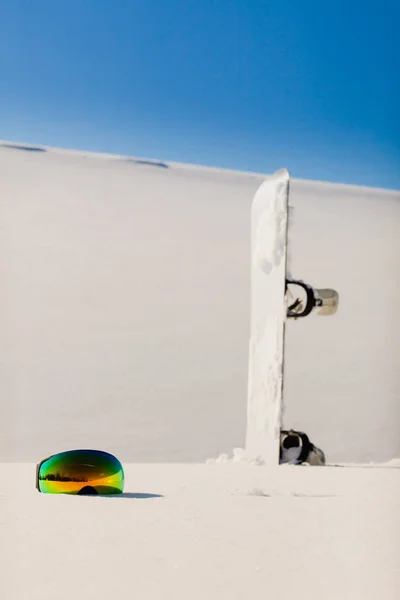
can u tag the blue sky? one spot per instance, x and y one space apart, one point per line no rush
244 84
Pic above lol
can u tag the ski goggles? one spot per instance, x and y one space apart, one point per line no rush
80 472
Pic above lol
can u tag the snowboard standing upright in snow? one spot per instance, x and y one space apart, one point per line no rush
275 297
269 237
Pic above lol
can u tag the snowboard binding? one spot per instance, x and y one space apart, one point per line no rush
325 301
296 448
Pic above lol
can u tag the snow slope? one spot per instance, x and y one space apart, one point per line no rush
125 322
125 310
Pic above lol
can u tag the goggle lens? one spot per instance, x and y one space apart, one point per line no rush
80 472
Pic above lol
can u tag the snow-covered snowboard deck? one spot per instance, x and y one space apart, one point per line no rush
269 239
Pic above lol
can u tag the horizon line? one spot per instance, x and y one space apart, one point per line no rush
197 166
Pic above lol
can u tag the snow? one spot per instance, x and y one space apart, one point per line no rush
125 312
271 224
201 531
115 271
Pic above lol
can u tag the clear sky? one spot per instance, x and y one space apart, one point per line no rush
313 86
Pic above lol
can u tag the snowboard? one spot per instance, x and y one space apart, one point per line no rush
275 298
269 240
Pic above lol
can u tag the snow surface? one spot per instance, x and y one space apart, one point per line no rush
205 532
125 326
125 310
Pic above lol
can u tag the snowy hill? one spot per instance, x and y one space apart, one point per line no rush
125 310
125 323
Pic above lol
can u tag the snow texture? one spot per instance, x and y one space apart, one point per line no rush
126 305
124 318
203 531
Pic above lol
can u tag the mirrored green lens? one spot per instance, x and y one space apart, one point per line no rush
81 472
